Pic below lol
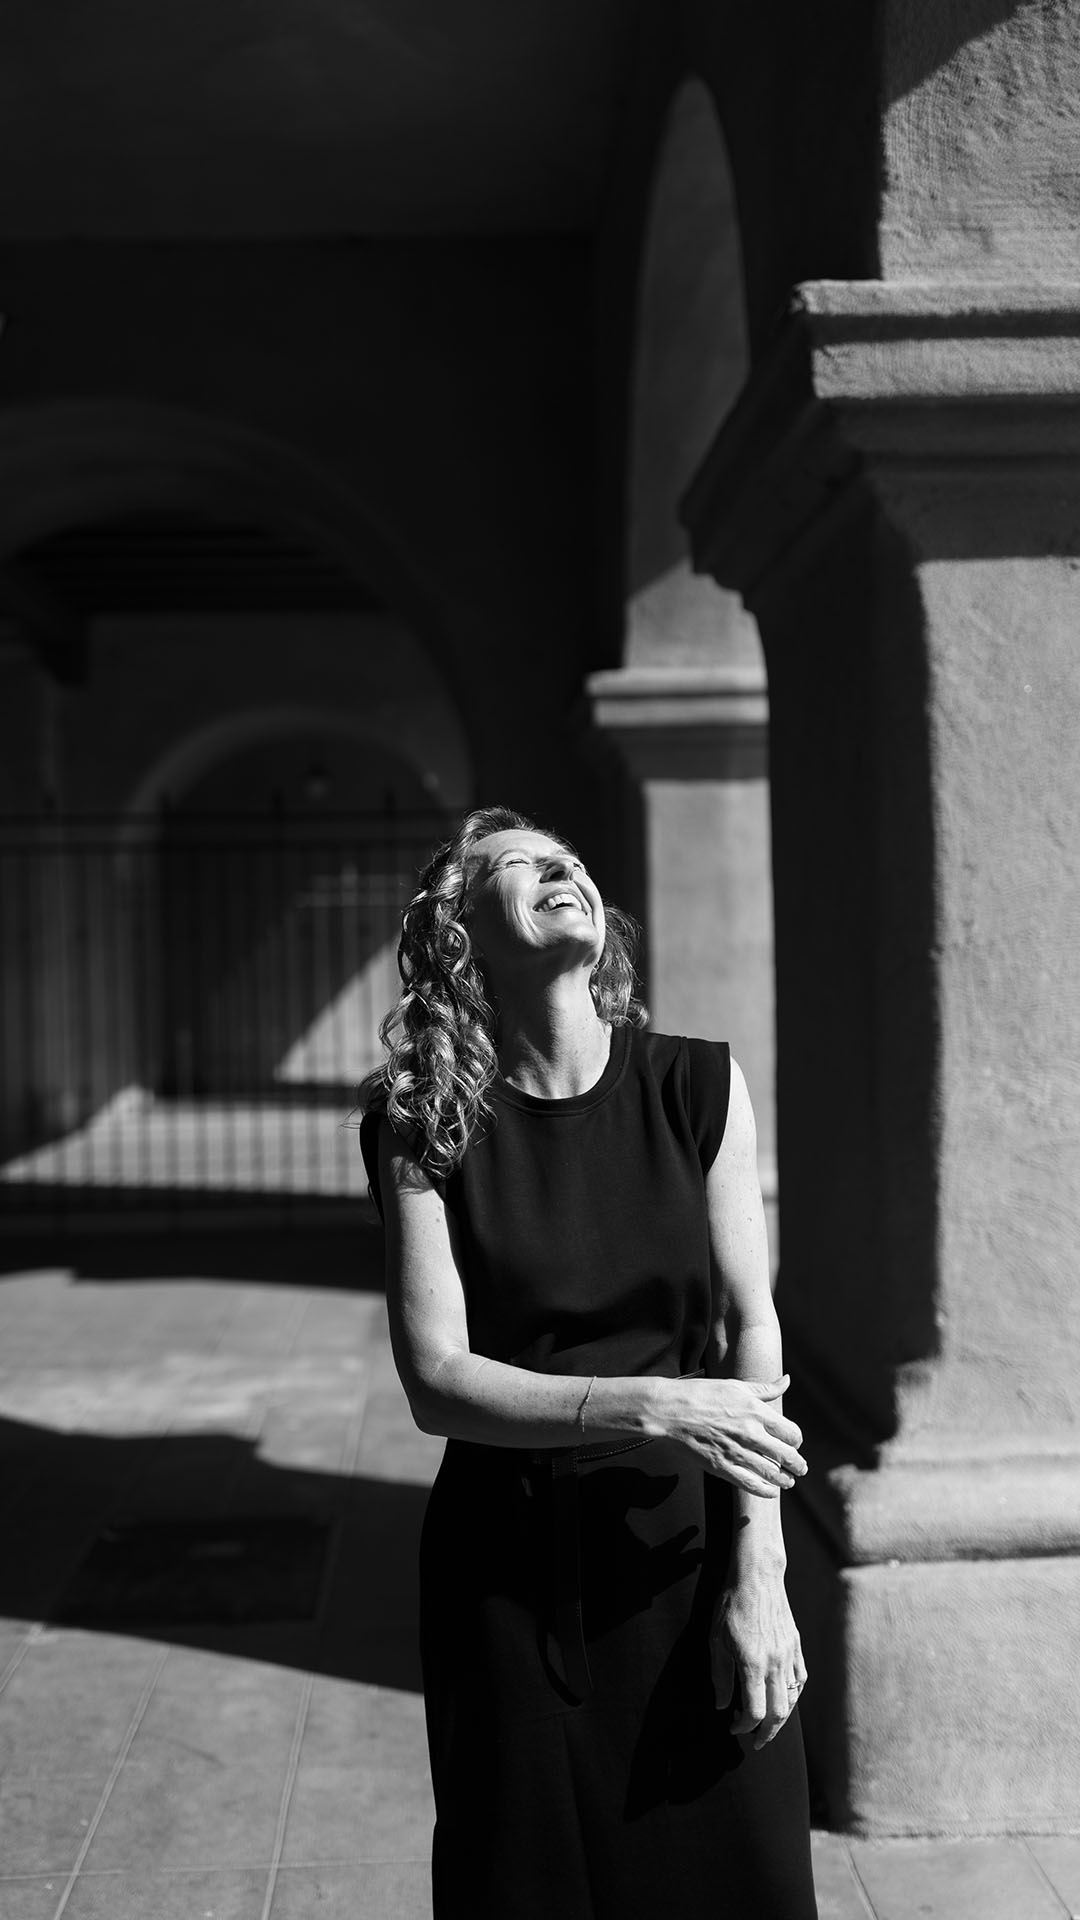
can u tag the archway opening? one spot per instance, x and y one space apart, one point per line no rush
229 760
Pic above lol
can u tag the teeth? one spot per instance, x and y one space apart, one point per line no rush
559 900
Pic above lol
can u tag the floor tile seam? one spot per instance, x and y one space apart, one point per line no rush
1044 1876
344 1474
114 1774
206 1869
861 1888
17 1657
308 1302
119 1873
323 1860
354 1442
301 1308
213 1352
287 1793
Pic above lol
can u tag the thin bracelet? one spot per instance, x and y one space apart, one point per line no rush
584 1404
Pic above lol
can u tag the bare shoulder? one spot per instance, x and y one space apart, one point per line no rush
740 1134
737 1232
400 1172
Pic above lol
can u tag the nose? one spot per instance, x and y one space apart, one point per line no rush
560 866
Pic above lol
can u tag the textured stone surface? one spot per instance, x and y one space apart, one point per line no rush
981 159
174 1896
980 1501
917 529
963 1696
395 1890
955 1880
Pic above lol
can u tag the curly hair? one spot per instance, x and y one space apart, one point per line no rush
441 1035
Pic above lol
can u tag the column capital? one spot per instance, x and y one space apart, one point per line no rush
881 388
685 723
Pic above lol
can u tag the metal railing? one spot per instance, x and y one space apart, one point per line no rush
187 1003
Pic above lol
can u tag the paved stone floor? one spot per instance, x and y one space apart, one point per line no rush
264 1772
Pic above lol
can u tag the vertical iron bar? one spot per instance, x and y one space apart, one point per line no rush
82 1028
27 870
146 944
45 898
214 868
287 921
341 1066
109 962
201 1091
254 947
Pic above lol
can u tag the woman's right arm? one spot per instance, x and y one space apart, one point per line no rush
728 1426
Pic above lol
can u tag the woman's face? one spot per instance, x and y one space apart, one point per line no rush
529 898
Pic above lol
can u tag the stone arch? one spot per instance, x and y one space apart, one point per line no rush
435 751
64 462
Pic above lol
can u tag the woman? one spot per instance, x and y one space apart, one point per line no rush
579 1299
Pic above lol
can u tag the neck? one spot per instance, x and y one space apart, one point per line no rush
552 1042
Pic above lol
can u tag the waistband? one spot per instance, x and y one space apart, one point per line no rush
563 1464
563 1459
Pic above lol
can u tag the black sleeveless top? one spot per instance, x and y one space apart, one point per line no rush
580 1225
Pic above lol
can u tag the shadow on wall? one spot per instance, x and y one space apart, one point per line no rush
922 40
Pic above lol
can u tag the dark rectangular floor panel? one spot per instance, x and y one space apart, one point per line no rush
230 1572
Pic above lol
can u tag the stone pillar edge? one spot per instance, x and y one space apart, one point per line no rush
865 376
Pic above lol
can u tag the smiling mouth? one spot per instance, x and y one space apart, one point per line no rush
559 900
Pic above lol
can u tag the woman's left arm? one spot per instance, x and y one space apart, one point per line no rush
757 1636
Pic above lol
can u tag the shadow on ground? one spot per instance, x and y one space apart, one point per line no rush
62 1492
292 1253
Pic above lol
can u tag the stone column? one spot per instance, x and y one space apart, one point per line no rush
897 497
695 739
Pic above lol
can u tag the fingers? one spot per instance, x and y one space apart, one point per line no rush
768 1699
783 1437
754 1466
771 1389
737 1435
781 1429
779 1441
778 1704
770 1456
754 1700
752 1474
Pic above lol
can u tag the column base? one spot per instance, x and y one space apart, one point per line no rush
938 1603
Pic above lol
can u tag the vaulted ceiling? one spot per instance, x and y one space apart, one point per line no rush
124 119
